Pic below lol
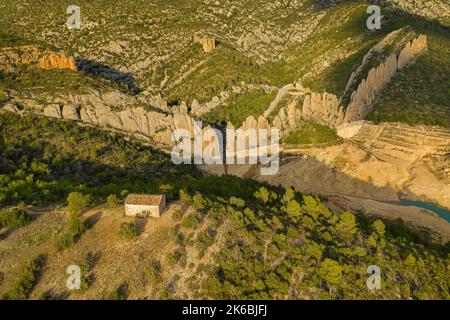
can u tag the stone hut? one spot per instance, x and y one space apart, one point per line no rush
145 205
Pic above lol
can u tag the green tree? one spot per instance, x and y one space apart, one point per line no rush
379 227
15 218
288 195
331 272
346 225
293 209
237 202
185 198
262 194
77 202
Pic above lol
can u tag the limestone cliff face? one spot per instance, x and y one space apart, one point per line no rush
60 60
363 97
322 108
288 118
154 125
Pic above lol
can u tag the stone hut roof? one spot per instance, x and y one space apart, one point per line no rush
144 199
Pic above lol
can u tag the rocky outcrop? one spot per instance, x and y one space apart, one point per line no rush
12 57
9 107
280 95
363 98
60 60
198 109
411 51
287 119
208 43
323 108
70 112
53 111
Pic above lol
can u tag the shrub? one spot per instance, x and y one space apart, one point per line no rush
185 198
28 278
111 201
198 201
75 228
65 241
15 219
128 230
154 271
237 202
262 194
178 256
124 193
190 221
77 202
120 293
177 215
205 239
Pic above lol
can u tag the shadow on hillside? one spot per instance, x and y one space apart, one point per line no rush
141 223
92 220
125 80
53 295
5 233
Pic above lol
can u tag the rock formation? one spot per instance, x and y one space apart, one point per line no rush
208 43
322 108
281 93
198 109
12 57
362 99
60 60
326 109
287 120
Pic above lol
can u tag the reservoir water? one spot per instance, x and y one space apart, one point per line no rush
443 213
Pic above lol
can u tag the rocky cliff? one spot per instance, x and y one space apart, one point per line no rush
362 99
326 108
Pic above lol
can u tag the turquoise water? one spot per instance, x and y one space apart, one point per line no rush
443 213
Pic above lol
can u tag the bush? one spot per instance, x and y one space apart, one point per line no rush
185 198
128 230
155 272
205 239
111 201
16 218
190 221
121 293
77 202
75 228
177 215
23 287
237 202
